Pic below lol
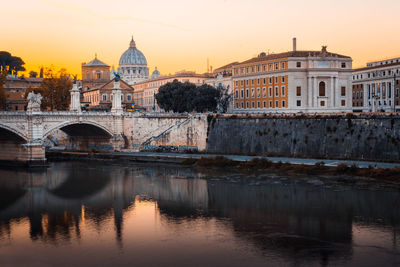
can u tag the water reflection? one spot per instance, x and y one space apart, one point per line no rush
112 208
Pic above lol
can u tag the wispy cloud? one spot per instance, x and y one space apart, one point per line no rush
88 11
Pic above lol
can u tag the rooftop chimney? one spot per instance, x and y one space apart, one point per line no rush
294 44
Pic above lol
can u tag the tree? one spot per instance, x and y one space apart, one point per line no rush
33 74
10 64
55 89
187 97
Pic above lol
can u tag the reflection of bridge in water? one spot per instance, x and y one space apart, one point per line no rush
284 219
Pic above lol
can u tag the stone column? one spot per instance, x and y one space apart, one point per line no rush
116 102
309 92
393 99
75 99
336 91
332 96
316 93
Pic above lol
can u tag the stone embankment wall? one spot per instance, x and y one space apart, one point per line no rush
367 137
152 130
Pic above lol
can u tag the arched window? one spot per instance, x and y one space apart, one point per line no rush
322 89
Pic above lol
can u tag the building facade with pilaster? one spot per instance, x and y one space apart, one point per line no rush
295 81
376 87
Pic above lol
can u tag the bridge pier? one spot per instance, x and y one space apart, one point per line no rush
35 155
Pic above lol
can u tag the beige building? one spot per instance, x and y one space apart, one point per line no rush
100 98
94 74
295 81
97 86
221 78
376 87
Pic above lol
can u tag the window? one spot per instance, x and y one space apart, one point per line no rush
237 94
322 103
252 104
264 92
122 97
276 79
252 82
98 75
343 91
343 65
241 93
343 102
283 79
129 97
276 66
299 103
283 103
241 82
87 76
270 91
237 105
237 83
247 93
264 81
258 92
258 104
283 90
298 91
247 82
277 104
322 89
270 80
247 104
283 65
258 81
264 104
242 105
111 97
252 93
276 91
298 64
104 97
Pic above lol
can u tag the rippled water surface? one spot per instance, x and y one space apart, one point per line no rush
146 215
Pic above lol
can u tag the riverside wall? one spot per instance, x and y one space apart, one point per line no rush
362 136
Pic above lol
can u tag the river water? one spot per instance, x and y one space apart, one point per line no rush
106 214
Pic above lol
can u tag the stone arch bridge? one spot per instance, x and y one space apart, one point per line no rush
22 134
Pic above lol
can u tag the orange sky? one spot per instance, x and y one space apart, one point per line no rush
178 34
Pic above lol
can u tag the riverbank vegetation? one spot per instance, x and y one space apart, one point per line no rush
220 162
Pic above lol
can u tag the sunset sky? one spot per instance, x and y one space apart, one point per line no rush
177 34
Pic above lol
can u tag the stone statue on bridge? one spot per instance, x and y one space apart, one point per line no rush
34 101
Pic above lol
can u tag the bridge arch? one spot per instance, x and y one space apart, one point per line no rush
74 127
12 134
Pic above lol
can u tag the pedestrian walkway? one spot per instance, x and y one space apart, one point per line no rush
331 163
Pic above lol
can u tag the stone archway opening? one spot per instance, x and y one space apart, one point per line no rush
82 137
11 144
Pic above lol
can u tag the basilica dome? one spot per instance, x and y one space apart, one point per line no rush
132 56
155 74
133 65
